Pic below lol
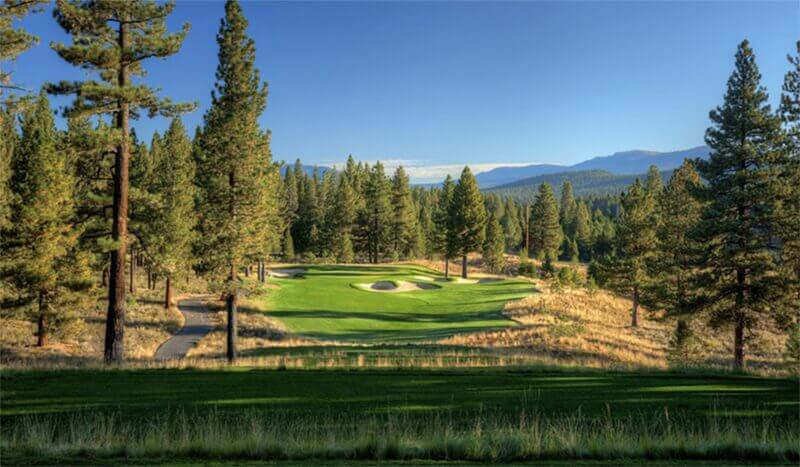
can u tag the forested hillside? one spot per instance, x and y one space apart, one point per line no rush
584 183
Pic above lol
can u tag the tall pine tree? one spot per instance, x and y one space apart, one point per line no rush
375 219
494 246
676 255
403 214
41 256
112 39
789 213
171 227
739 282
231 168
545 229
443 240
468 217
626 270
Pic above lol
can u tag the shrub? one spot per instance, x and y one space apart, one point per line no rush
548 269
308 257
526 269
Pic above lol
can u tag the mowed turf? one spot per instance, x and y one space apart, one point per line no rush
462 394
324 303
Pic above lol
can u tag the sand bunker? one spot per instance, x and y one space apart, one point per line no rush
483 280
394 287
424 278
286 272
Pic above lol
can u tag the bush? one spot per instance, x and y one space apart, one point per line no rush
526 269
568 277
308 257
548 269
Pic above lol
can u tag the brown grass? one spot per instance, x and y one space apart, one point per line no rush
575 325
148 324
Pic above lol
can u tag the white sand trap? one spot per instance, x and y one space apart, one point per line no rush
392 287
424 278
461 280
286 272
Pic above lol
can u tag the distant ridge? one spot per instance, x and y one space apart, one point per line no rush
619 163
584 183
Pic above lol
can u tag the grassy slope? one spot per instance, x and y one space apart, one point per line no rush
323 304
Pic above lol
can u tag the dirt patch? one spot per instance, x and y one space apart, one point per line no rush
285 272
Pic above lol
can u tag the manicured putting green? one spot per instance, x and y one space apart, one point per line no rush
338 303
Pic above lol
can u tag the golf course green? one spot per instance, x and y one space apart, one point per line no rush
339 303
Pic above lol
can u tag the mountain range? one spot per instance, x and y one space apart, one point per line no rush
619 163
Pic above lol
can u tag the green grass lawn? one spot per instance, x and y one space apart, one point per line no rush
161 415
325 303
363 392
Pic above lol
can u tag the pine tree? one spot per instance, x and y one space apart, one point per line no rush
112 39
494 246
442 239
403 228
739 281
634 246
15 41
288 245
375 219
511 224
583 232
309 216
343 216
41 258
545 230
789 212
171 226
234 162
468 217
8 140
676 254
654 183
568 209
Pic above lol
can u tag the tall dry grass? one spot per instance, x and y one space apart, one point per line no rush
593 328
214 435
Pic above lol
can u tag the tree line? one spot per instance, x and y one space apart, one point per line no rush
83 208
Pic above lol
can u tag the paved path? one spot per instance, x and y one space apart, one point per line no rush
197 324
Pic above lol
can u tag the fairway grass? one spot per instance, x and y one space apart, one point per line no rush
338 303
246 414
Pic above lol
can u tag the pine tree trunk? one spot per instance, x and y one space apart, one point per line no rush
247 271
115 319
231 306
464 266
738 324
133 270
41 333
635 309
446 267
168 293
104 277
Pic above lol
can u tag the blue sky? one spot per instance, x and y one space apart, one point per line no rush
437 85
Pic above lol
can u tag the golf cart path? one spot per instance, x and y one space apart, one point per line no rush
197 323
